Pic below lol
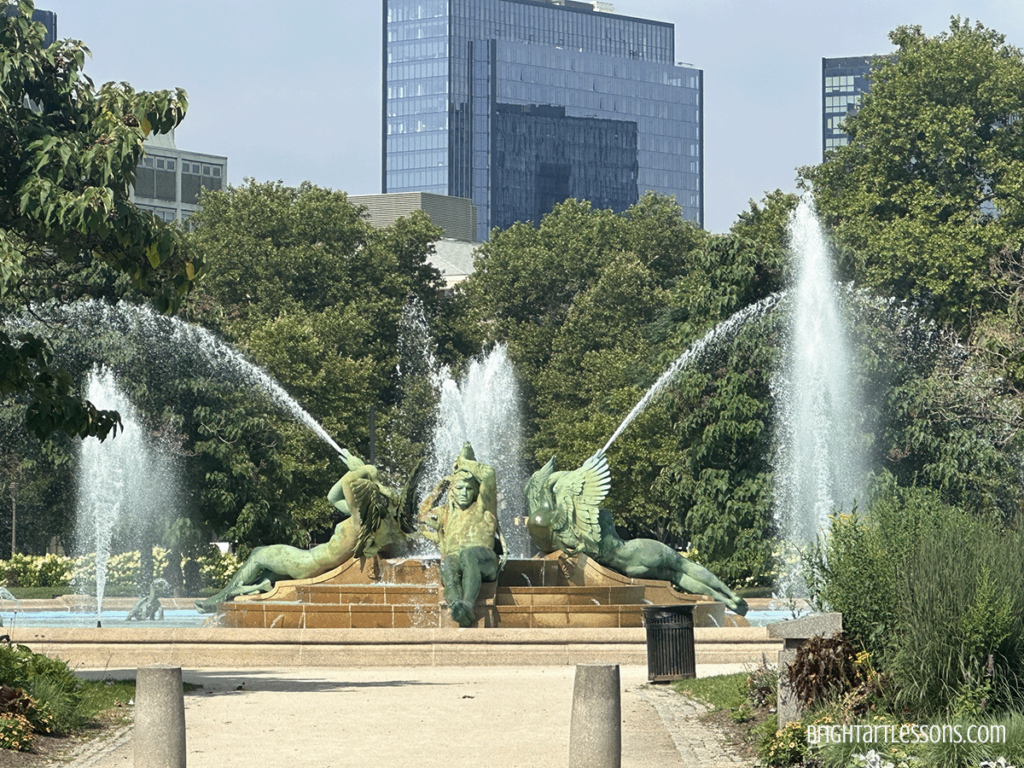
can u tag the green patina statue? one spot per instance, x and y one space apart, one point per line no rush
377 520
564 513
466 529
149 608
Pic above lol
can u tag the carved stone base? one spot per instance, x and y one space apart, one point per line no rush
551 592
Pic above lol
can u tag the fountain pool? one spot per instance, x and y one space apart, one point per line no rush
112 619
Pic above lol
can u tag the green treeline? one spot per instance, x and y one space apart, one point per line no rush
925 207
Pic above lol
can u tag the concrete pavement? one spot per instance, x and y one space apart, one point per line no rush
503 717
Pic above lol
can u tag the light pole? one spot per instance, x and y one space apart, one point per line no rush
14 517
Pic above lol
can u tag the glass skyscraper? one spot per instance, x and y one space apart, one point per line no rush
519 104
844 82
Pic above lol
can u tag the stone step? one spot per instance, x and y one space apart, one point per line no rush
407 594
271 615
574 596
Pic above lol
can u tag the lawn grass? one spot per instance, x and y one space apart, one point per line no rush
719 692
100 696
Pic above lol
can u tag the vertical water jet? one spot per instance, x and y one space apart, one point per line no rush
819 457
124 483
483 407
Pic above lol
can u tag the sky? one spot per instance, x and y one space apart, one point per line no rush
292 91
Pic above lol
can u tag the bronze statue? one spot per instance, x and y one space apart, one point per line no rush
564 513
377 520
466 529
148 608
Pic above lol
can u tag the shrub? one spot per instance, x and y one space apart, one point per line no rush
961 631
763 684
787 746
49 682
859 570
15 732
217 567
931 592
212 569
53 570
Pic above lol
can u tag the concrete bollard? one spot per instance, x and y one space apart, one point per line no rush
595 735
159 717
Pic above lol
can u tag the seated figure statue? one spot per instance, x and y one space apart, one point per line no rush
466 530
148 608
564 513
377 520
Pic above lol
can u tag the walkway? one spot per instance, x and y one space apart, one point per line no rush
416 716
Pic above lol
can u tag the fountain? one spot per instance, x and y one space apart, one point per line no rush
122 481
820 463
558 590
483 409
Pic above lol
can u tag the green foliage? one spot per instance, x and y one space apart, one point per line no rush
927 191
593 308
942 663
28 571
70 152
307 289
64 573
916 584
782 747
49 682
767 223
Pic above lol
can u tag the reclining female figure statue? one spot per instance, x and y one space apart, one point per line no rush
377 520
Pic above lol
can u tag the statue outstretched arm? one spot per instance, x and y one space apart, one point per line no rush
433 517
353 491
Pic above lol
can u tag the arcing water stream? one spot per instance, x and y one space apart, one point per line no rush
724 331
147 324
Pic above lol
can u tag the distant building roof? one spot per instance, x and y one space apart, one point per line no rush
455 260
455 215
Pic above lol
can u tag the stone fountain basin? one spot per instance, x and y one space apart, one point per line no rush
552 592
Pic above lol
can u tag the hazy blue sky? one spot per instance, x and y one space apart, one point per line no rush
292 91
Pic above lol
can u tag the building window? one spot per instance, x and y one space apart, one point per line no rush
839 83
842 103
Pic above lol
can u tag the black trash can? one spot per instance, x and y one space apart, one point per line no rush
670 654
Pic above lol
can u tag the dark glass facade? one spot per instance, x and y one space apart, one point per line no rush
47 18
843 84
514 102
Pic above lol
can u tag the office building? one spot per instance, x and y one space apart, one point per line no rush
168 180
47 18
519 104
843 84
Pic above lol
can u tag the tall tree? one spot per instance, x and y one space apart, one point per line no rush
929 188
303 285
594 307
68 153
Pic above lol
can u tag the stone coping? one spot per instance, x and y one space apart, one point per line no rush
87 603
196 648
412 636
